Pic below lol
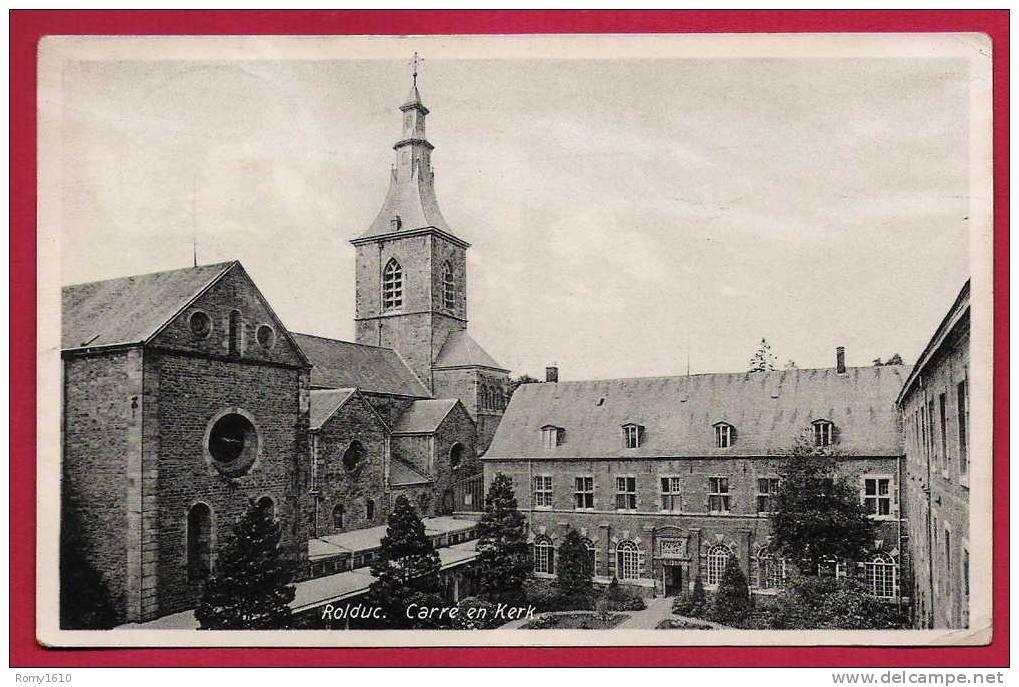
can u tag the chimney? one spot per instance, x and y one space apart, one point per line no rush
840 360
552 374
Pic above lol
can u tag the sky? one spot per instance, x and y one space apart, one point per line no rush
627 217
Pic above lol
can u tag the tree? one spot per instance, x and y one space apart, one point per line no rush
252 586
407 568
573 568
84 596
504 556
791 365
763 360
819 516
896 359
732 604
516 382
699 598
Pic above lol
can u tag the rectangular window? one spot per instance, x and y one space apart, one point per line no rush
631 436
931 446
672 494
962 412
767 493
583 493
877 495
948 554
946 461
626 493
542 491
718 494
823 432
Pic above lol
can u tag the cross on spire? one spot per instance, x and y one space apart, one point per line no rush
415 63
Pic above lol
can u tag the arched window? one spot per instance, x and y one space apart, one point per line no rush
544 556
589 545
456 455
770 569
717 559
199 542
392 285
627 561
354 456
369 509
266 505
448 286
881 576
338 517
725 434
235 332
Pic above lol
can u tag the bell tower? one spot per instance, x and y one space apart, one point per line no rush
411 290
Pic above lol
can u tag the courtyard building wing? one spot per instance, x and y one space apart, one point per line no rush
771 409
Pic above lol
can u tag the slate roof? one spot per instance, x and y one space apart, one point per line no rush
460 350
130 310
768 409
424 417
325 402
403 474
346 365
956 319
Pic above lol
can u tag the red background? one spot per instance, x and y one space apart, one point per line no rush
26 27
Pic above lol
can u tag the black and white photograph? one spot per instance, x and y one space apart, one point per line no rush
515 340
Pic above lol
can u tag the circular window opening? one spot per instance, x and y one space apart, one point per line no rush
354 456
201 325
233 444
266 336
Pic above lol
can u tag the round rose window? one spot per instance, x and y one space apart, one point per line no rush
266 336
233 444
201 325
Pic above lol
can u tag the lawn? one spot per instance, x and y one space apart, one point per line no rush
575 621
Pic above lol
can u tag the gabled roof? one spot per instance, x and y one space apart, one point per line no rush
460 350
325 403
403 474
130 310
955 319
346 365
769 410
424 417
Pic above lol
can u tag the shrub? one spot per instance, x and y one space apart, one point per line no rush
683 604
732 603
618 598
546 596
824 603
474 614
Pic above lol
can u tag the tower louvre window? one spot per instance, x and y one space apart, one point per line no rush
392 285
449 296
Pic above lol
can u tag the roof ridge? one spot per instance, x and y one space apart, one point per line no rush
343 341
149 274
709 374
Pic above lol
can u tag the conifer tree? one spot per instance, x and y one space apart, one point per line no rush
732 600
504 556
407 568
819 516
763 360
698 599
573 568
253 583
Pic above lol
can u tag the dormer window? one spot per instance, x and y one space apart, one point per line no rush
633 435
392 285
725 434
395 223
552 436
824 432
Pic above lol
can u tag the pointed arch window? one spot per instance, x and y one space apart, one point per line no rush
449 295
392 285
